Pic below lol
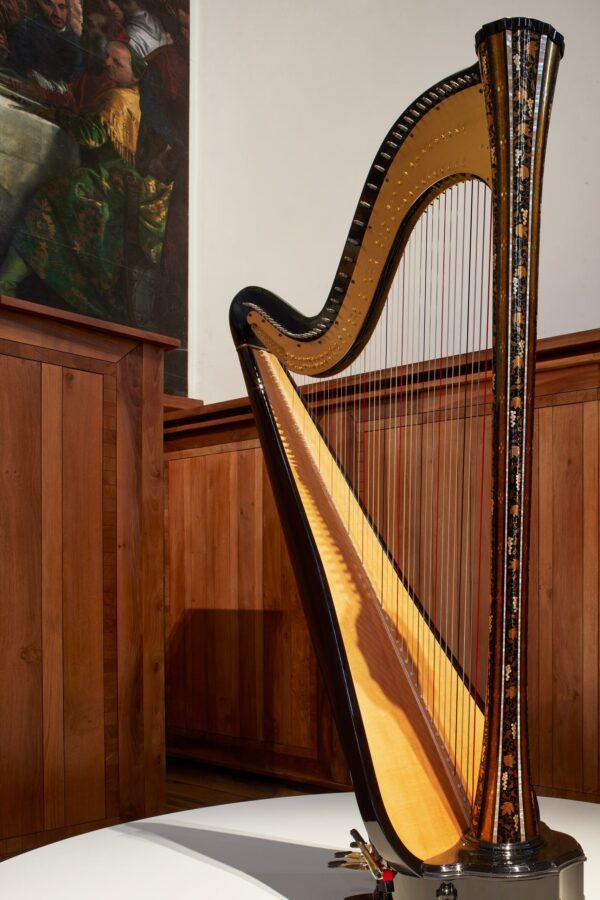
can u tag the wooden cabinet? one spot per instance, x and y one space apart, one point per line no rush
243 687
81 574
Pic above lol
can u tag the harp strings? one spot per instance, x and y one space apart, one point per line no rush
407 423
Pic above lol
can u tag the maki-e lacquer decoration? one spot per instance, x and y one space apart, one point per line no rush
387 421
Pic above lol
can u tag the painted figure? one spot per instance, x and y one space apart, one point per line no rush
76 235
163 153
109 237
45 47
146 33
11 12
99 28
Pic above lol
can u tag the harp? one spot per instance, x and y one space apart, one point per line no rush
387 420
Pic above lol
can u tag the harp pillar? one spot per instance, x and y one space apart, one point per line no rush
519 60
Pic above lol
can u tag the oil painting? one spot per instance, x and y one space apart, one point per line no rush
94 148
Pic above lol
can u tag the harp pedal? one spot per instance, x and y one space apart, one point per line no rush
447 890
363 857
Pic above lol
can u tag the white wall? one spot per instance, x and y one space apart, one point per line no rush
290 101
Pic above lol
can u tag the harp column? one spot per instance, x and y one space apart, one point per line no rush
519 60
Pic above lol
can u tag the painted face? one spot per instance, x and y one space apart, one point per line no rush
118 63
96 25
114 10
56 12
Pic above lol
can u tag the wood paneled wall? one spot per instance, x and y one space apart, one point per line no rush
242 680
563 644
227 556
81 581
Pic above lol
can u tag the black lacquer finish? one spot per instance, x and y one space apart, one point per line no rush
520 23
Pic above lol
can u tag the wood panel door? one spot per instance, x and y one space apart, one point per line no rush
52 720
242 684
21 723
81 580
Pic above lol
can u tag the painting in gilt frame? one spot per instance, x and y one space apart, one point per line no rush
94 148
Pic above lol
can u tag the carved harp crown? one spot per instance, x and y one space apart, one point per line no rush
412 400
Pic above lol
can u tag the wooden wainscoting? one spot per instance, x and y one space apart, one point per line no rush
81 580
242 685
563 637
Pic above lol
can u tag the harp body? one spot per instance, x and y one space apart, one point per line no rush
437 747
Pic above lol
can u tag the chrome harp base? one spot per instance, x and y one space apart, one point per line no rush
550 868
565 884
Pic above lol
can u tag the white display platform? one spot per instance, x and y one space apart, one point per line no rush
263 848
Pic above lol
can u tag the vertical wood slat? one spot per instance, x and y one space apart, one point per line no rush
83 597
199 642
152 561
290 687
545 596
109 547
140 597
248 527
591 596
52 596
567 553
208 574
534 650
221 580
129 584
274 638
175 581
21 728
295 721
485 571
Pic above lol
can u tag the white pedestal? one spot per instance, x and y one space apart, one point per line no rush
263 848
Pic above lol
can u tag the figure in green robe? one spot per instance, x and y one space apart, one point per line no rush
79 231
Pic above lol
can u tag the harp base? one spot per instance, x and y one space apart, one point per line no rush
544 858
567 884
549 868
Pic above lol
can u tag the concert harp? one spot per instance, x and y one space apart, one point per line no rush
387 422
